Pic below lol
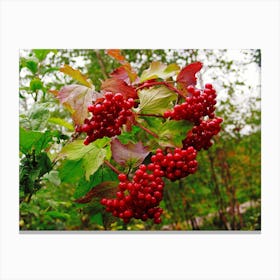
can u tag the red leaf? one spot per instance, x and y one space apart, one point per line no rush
120 73
187 77
105 189
119 86
129 154
126 67
125 73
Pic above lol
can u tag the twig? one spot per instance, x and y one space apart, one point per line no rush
101 63
147 130
112 167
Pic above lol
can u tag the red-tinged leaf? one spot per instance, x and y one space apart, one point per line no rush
120 73
124 73
76 99
75 74
126 67
131 73
119 86
116 53
129 154
106 189
187 77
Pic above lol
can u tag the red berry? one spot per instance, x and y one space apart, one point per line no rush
122 177
109 113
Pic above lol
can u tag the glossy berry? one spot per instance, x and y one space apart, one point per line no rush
198 104
109 113
122 177
140 197
200 136
176 165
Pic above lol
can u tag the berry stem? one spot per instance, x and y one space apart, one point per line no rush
112 167
168 85
147 130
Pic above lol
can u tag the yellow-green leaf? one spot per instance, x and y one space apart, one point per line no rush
156 100
76 74
172 132
61 122
92 156
158 69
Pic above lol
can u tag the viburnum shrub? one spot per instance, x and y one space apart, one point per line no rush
147 129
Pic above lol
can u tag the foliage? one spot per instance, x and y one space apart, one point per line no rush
62 180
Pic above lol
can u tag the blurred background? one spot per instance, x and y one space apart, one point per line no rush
225 192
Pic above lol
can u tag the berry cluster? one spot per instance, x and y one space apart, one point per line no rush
197 105
200 136
139 198
109 113
177 165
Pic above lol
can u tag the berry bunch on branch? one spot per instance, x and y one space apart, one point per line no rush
146 129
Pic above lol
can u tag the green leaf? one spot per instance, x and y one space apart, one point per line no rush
104 143
32 168
92 156
97 219
41 54
93 160
130 136
82 187
53 177
160 70
36 84
61 122
37 117
31 65
172 132
71 171
36 140
44 163
156 100
45 70
101 175
57 215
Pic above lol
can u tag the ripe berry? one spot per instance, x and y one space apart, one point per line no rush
200 136
109 113
177 165
197 105
139 198
122 177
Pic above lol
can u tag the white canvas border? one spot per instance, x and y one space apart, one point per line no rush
145 24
